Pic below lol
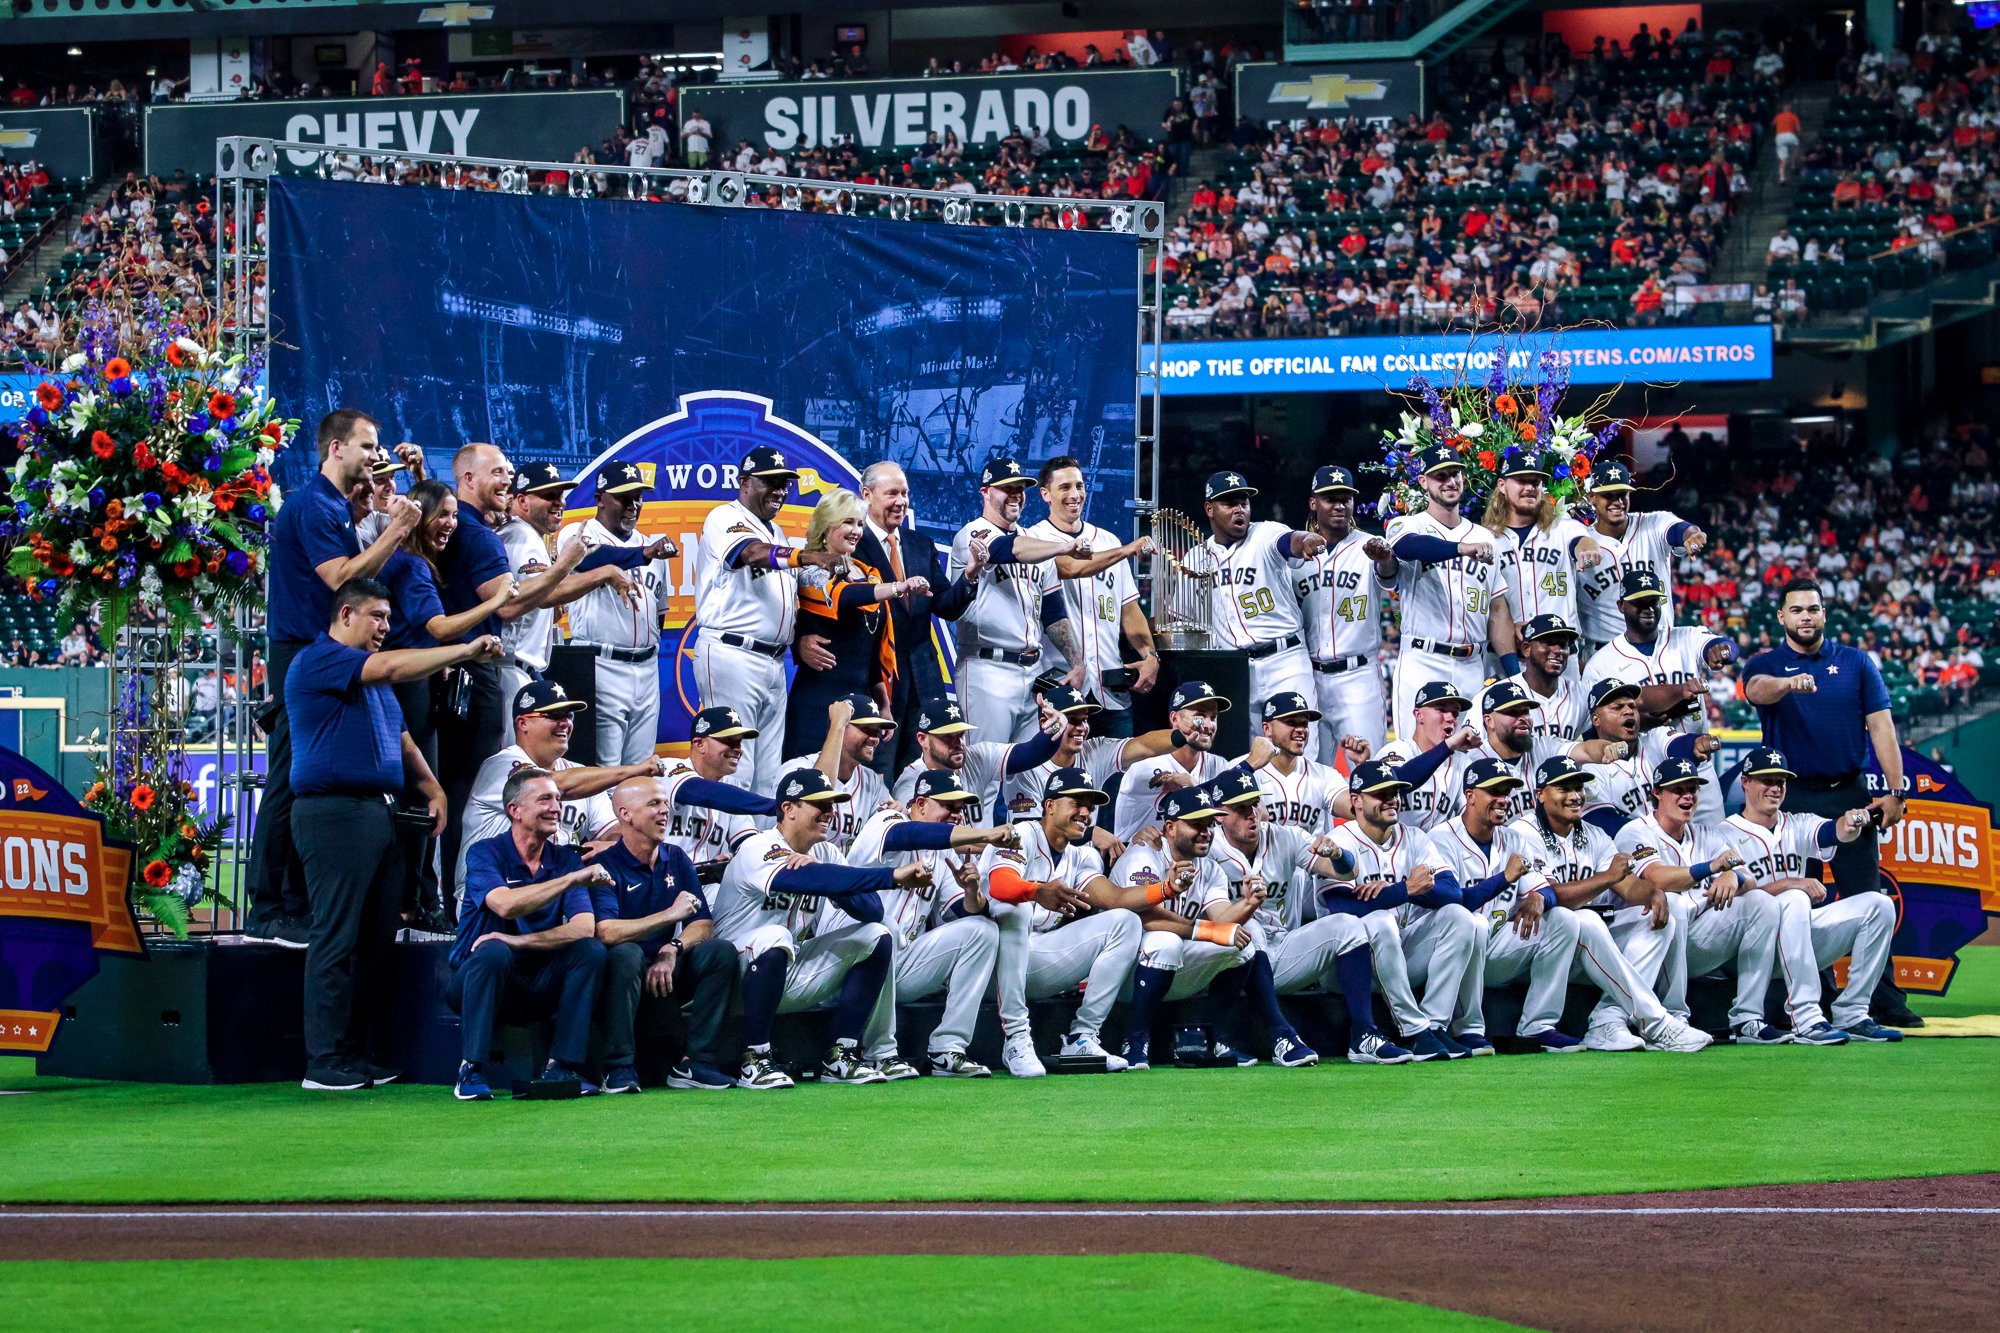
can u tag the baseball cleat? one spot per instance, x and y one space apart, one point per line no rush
699 1077
1556 1043
1475 1043
1375 1049
1670 1034
1138 1054
555 1071
1432 1044
471 1085
1224 1051
1756 1032
622 1078
896 1069
1819 1033
1020 1057
1087 1044
1869 1030
1612 1037
760 1075
957 1064
845 1064
1292 1053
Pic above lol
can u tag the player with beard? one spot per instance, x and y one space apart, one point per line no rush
1298 792
1341 593
851 774
1541 548
1193 711
1548 674
1429 759
1078 748
1630 541
1622 789
1254 604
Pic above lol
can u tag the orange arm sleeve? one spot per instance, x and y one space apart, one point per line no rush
1008 885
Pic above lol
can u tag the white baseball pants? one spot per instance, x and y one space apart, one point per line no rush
1353 704
956 958
627 711
1443 949
1287 670
1634 993
1418 667
1098 952
818 967
1194 963
1746 931
1303 959
754 685
1545 957
1810 938
998 698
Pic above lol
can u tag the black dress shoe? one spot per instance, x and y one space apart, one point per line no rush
1903 1017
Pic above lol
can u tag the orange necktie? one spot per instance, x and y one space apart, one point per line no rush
896 555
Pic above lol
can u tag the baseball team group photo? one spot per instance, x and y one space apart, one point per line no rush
893 708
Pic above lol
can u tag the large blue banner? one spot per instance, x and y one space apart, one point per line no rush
556 327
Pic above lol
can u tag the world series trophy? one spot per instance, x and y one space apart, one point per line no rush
1184 572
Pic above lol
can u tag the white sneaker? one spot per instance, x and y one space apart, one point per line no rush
1670 1034
1022 1062
1086 1043
1612 1037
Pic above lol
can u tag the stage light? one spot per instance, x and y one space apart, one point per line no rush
74 51
527 317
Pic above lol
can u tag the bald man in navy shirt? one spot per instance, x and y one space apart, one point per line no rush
1824 705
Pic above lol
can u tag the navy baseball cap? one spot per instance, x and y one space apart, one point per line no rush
1075 784
1672 772
1290 703
1004 472
941 784
1237 787
1604 691
1333 479
1438 693
766 462
941 716
621 477
1189 803
1548 625
1068 699
545 696
1376 777
1559 770
868 713
535 478
809 784
722 724
1523 463
1767 761
1437 458
1611 475
1504 696
1220 484
1191 692
1488 774
1641 585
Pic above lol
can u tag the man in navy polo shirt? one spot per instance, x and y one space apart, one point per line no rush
349 760
1825 706
661 944
527 938
314 550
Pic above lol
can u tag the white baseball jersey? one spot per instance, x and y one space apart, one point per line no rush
746 900
755 601
1255 597
1099 756
604 618
1644 546
1446 603
1138 797
486 817
1563 714
1627 785
1406 849
1541 573
1302 799
530 636
1771 854
1282 859
1006 611
1148 866
1677 656
1096 606
705 835
1701 842
1473 861
908 911
1437 800
1341 597
985 764
864 784
1522 798
1037 863
1586 850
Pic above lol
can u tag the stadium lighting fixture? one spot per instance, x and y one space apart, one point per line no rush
74 51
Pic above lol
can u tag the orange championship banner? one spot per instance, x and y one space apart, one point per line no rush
1941 863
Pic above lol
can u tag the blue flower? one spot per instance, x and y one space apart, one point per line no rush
97 497
152 499
122 386
212 462
237 563
37 417
23 510
198 424
228 425
256 513
1562 472
50 587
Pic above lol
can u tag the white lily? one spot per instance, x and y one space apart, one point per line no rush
72 363
194 349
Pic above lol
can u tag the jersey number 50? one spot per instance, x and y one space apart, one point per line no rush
1256 603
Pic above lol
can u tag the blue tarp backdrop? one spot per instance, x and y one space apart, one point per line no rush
556 327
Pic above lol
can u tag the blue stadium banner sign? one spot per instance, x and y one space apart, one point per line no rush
1307 94
62 139
901 113
1348 365
536 127
1939 866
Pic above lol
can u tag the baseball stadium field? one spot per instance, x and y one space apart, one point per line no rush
1531 1190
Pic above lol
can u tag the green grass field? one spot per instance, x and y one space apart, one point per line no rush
1143 1292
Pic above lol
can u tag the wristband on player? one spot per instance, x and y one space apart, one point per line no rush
1214 932
1158 893
1510 664
1703 872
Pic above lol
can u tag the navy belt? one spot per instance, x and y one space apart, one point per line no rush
1011 658
1462 652
1338 665
625 654
1260 650
742 641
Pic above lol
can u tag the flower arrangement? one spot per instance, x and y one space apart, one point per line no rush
1489 424
144 473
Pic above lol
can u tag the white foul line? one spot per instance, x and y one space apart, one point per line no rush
725 1211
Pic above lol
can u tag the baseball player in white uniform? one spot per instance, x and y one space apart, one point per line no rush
1193 710
1298 793
944 742
1775 846
866 730
1628 932
1254 598
1550 677
1018 604
1540 548
1507 735
1629 541
1453 596
622 629
1101 596
1433 755
1399 874
1341 593
1623 788
955 956
528 623
1021 793
769 906
746 600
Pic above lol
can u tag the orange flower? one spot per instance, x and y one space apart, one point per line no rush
117 368
109 543
175 356
190 832
1528 432
224 501
222 405
102 445
158 873
49 396
142 797
1581 465
95 790
1506 406
1487 460
114 510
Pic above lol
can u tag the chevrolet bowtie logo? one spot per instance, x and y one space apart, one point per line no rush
19 138
456 14
1323 92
